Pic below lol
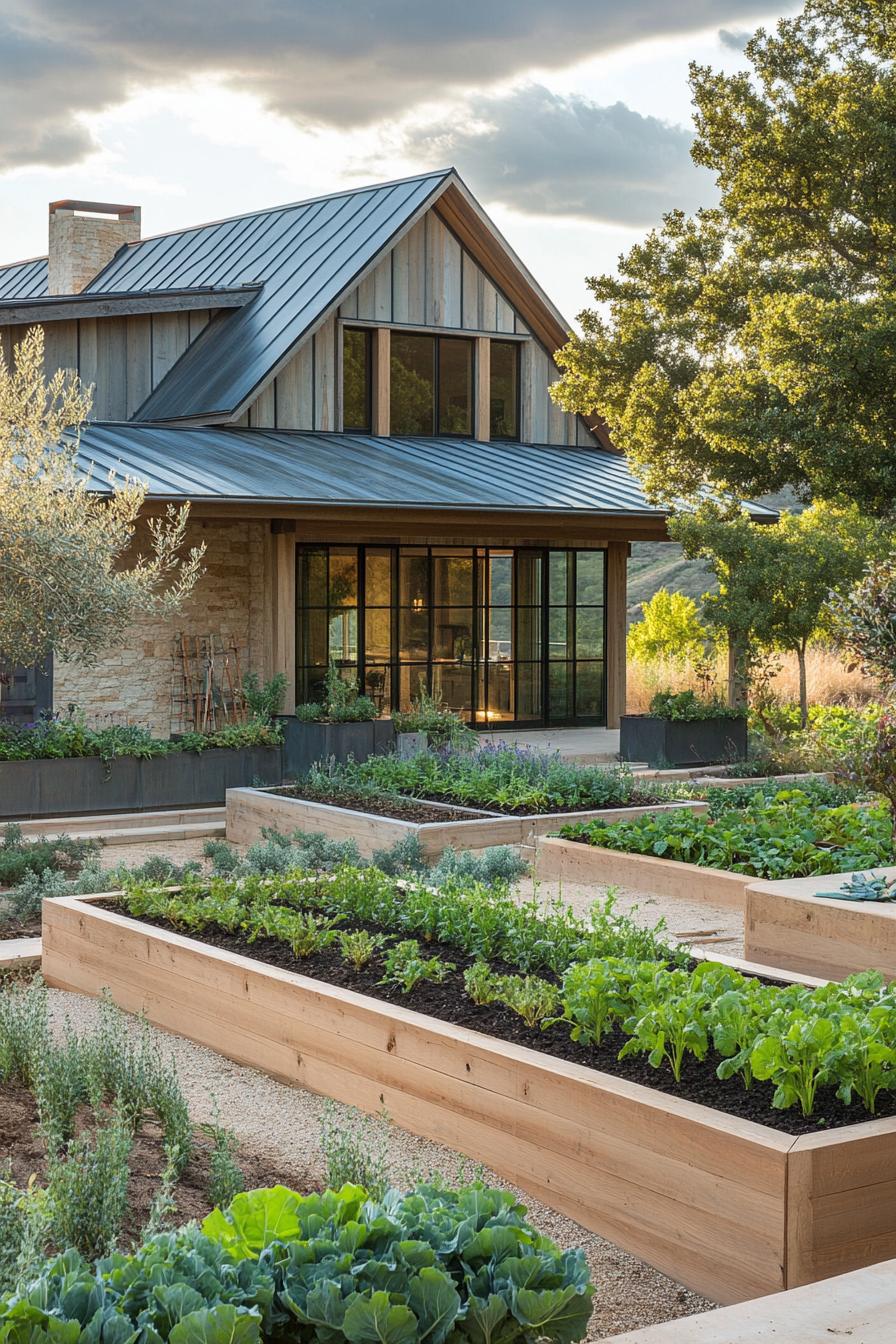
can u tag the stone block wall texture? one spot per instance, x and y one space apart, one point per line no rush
133 683
81 245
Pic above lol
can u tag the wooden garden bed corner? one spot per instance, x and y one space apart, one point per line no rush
575 861
730 1208
859 1307
787 925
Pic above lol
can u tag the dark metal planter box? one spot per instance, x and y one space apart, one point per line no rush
304 744
85 785
678 742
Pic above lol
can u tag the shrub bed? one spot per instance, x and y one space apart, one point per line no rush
605 993
68 736
768 835
338 1266
498 778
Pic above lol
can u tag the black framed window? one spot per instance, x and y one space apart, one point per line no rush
504 390
356 379
431 384
512 635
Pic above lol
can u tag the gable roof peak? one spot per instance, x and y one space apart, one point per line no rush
344 192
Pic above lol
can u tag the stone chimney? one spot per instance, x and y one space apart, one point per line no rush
84 237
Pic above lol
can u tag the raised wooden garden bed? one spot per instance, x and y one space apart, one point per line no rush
249 811
857 1307
787 925
575 861
729 1207
73 785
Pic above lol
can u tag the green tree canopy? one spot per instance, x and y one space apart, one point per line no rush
775 582
668 630
753 346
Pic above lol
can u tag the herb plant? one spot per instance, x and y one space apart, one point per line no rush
499 778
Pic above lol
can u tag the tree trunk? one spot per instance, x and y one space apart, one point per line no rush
804 691
737 662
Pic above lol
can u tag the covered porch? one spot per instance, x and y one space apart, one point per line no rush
491 575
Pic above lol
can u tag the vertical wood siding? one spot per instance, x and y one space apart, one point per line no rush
428 279
124 357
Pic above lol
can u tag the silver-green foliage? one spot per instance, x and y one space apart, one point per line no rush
121 1075
355 1148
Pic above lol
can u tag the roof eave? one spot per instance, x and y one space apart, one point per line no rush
63 307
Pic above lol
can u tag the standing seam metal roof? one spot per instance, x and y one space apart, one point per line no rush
24 280
304 256
277 466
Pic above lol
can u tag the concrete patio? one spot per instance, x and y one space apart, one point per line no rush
588 746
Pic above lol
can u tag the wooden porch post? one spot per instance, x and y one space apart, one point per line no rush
483 406
382 410
616 616
283 605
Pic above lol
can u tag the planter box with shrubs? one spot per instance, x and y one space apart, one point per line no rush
60 767
683 730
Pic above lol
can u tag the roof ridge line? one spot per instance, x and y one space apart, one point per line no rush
26 261
288 205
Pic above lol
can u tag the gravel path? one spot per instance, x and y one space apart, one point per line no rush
282 1124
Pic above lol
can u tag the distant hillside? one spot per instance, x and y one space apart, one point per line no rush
660 564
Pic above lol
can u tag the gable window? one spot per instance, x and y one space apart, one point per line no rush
356 379
431 388
504 390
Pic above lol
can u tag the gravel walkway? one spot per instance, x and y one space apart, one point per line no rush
282 1124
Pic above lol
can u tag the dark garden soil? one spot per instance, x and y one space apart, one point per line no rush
22 1147
550 809
448 1002
415 809
19 928
380 805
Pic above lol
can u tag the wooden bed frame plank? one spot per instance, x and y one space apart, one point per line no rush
731 1208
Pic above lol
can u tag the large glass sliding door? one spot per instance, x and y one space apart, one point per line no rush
502 635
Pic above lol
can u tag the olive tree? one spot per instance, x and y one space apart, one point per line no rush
864 622
70 581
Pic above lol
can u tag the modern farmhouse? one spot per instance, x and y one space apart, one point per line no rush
353 394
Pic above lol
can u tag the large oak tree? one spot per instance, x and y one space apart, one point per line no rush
753 346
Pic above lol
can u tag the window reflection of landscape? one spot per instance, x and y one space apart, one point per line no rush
512 635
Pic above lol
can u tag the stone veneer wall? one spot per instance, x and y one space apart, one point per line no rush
133 682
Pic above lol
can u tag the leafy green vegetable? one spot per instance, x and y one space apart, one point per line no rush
335 1268
779 837
404 966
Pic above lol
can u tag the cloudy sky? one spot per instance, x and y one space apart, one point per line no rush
570 120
